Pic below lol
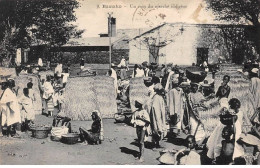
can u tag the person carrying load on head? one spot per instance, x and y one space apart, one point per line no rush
96 134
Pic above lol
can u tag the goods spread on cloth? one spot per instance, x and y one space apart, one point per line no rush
21 83
83 95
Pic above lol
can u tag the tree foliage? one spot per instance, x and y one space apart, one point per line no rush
23 22
237 12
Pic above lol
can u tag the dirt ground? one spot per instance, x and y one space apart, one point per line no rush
118 148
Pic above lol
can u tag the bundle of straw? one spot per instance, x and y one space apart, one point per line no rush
10 72
83 95
138 91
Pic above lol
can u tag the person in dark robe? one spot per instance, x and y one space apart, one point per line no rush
92 136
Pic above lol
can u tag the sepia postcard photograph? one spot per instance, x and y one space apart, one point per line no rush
128 82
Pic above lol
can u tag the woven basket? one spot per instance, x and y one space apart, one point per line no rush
40 132
70 138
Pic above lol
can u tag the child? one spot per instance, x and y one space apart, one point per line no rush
95 135
31 92
141 120
27 112
188 155
227 148
224 89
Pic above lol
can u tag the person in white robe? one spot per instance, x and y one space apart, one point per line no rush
40 64
114 75
27 110
11 114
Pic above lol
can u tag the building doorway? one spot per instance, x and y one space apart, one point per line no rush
238 55
202 55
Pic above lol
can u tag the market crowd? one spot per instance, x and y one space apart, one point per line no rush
175 98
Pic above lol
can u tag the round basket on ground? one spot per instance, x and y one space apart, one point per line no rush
70 138
40 132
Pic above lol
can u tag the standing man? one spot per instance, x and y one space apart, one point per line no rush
114 75
123 65
82 63
146 69
40 64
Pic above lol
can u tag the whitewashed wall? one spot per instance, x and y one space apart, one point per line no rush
183 49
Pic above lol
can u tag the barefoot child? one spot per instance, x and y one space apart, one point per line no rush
141 120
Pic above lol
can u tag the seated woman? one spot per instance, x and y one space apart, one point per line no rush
188 155
93 136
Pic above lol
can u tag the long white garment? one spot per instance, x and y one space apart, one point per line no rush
168 81
122 63
65 77
114 75
40 62
27 110
58 70
47 90
10 113
216 137
139 73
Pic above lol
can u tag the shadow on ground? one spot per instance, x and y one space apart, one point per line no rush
129 151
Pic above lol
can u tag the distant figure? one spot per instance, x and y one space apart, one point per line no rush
58 70
82 63
40 64
114 75
145 68
139 71
135 71
123 65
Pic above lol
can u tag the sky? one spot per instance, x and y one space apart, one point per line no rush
133 14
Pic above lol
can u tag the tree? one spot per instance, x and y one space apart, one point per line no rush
49 22
156 39
237 12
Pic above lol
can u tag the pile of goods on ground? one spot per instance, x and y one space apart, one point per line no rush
83 95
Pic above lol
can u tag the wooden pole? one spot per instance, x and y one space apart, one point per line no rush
109 34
